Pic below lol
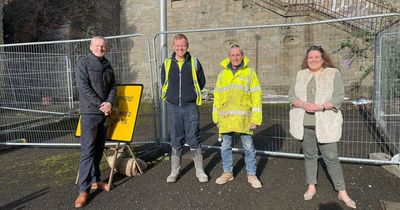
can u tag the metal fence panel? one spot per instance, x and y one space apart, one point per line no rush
276 52
387 88
38 96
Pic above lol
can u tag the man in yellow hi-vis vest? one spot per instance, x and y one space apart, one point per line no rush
183 78
237 110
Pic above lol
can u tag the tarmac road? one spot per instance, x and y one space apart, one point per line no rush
43 178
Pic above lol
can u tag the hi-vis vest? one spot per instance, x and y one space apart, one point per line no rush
167 67
237 99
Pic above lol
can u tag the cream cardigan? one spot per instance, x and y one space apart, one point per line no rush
328 124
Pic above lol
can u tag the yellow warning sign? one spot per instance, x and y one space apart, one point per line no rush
125 110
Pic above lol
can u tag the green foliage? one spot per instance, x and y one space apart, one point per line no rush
358 47
355 86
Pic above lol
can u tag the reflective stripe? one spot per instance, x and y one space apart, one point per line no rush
229 87
254 89
256 109
215 109
234 112
167 66
220 78
235 86
249 80
196 82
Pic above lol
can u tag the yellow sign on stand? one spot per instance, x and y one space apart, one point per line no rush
125 110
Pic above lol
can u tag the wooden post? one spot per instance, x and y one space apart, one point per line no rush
108 188
134 157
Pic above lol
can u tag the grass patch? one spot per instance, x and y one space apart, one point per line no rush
61 169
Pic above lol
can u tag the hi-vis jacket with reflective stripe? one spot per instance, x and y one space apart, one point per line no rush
237 99
182 86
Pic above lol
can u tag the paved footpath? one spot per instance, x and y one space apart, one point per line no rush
43 178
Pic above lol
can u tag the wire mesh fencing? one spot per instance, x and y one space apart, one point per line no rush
38 95
39 103
387 85
276 52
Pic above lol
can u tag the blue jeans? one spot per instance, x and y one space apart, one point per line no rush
249 151
183 125
93 138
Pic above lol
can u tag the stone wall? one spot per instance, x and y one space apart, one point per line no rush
45 20
276 53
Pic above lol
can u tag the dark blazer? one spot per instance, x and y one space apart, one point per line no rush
96 83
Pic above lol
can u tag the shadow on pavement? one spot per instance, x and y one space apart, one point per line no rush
19 204
329 206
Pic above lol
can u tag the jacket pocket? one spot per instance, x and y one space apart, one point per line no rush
95 75
108 75
246 101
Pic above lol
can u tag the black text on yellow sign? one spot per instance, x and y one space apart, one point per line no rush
125 110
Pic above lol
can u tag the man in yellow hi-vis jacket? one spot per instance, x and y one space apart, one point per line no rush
237 110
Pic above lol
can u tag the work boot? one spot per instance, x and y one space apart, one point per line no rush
81 200
175 165
198 164
255 183
224 178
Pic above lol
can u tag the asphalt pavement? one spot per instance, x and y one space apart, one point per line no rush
43 178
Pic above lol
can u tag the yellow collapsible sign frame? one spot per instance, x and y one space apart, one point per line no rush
125 110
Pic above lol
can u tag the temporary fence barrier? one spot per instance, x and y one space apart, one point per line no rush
38 95
276 52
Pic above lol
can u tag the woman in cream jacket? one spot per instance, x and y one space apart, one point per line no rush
315 119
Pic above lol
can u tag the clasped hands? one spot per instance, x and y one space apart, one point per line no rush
312 107
106 108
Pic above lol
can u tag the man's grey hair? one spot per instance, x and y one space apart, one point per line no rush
236 46
95 38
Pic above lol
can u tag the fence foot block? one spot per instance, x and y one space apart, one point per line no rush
389 205
394 169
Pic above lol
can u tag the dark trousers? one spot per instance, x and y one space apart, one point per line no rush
93 138
183 125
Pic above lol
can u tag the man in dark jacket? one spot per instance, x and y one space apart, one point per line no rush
183 78
97 89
